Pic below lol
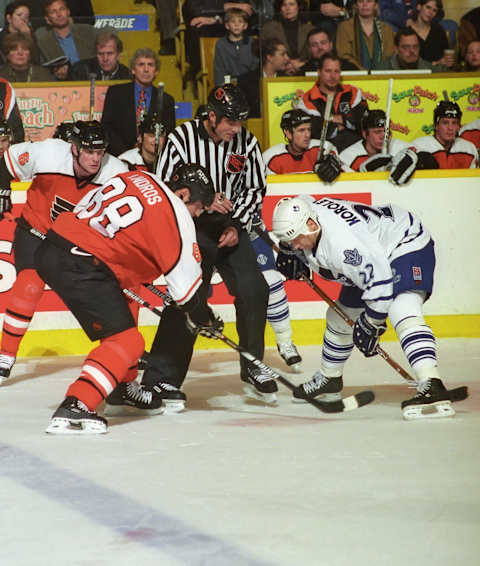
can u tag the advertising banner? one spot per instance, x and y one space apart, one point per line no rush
414 98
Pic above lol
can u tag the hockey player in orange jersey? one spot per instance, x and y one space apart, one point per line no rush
130 230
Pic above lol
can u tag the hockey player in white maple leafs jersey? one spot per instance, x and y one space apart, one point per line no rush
384 258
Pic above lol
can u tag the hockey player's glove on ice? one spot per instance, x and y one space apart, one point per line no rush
328 168
291 265
366 334
207 328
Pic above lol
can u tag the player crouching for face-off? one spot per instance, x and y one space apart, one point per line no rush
384 258
130 230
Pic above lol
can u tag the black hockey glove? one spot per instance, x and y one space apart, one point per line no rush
207 328
292 264
5 202
328 168
366 334
403 166
377 162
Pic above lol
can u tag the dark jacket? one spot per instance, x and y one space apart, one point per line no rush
83 70
118 116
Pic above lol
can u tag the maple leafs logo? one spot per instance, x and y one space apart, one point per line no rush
352 257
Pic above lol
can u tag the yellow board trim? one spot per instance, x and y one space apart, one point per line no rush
72 342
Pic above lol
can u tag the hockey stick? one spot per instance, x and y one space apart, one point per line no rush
445 95
160 90
456 394
132 295
386 135
346 404
326 120
92 96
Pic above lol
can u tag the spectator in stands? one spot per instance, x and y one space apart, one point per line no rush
469 29
167 23
17 49
367 154
105 66
76 41
81 12
471 133
471 61
126 105
433 39
150 142
17 20
9 111
364 39
327 14
320 42
233 53
289 26
407 54
59 68
275 62
397 13
348 107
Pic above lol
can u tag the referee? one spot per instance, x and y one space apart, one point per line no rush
232 156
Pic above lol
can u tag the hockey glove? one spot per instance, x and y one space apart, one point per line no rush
366 334
292 264
5 202
403 166
205 328
377 162
328 168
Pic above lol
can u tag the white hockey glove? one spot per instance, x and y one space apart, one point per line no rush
403 166
366 334
5 202
377 162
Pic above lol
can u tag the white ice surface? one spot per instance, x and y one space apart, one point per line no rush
233 482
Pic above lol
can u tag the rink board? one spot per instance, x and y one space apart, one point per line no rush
447 201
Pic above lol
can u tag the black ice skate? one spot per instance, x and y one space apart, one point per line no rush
173 398
290 354
133 399
327 389
74 417
6 364
431 401
260 385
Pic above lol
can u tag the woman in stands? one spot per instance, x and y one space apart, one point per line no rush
17 50
17 20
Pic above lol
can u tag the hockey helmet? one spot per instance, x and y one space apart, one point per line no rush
5 130
229 101
89 135
373 119
446 109
293 118
202 112
64 131
197 179
149 125
290 218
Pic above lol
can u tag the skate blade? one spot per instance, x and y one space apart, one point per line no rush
127 411
438 410
66 426
325 397
252 393
172 407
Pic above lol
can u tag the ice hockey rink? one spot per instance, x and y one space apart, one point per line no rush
232 482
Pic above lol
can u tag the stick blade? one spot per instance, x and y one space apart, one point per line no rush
347 403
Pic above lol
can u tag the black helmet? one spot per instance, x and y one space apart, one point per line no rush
229 101
149 125
446 109
197 179
64 131
202 112
88 135
5 130
293 118
373 119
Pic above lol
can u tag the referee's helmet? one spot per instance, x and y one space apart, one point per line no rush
89 135
197 179
229 101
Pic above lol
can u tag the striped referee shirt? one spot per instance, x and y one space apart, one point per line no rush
236 167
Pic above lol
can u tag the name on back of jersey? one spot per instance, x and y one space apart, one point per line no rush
147 189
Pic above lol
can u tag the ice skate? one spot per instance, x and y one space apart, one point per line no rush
74 417
6 365
260 385
133 399
290 354
432 401
173 398
324 388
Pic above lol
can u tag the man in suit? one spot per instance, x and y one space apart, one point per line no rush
127 104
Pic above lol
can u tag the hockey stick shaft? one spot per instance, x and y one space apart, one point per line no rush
160 90
326 120
386 135
132 295
92 97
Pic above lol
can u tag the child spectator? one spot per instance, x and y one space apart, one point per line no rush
233 53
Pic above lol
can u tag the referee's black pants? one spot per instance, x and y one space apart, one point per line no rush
172 347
